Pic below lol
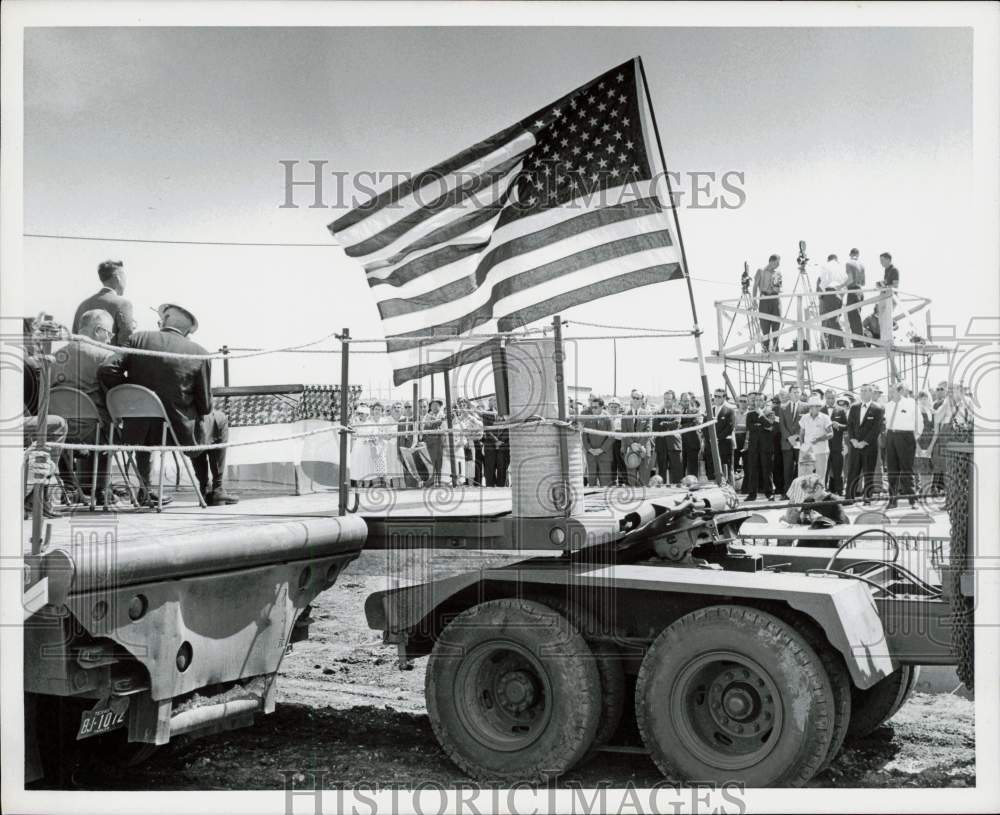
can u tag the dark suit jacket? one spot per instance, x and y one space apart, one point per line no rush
638 426
183 385
592 440
435 441
788 421
494 439
76 366
869 429
665 423
758 427
691 441
117 306
839 415
725 423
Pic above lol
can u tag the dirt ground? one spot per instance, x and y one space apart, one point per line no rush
346 710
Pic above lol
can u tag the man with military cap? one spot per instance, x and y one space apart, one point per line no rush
184 387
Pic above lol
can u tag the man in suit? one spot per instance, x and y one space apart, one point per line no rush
691 441
758 449
596 446
110 299
725 424
496 446
855 282
185 389
76 366
617 462
836 408
636 446
777 468
788 421
405 446
669 460
435 441
864 423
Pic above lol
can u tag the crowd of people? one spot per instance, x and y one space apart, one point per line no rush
837 285
392 446
852 446
182 385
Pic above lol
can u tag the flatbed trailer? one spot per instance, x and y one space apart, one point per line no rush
140 627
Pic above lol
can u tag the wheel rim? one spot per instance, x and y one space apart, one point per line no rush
727 710
506 695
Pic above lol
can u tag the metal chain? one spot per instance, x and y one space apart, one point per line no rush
958 485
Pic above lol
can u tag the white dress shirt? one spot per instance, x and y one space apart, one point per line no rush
832 275
902 415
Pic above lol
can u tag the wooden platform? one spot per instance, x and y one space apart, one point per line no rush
834 356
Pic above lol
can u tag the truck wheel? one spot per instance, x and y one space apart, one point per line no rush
609 668
511 696
840 681
733 693
879 703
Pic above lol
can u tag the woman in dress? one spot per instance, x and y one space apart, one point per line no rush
361 463
393 465
468 429
378 443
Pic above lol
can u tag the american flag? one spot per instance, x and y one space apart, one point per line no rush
566 206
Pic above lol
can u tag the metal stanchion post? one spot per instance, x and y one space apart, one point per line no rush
448 422
345 347
561 399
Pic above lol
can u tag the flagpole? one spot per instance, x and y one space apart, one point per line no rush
713 441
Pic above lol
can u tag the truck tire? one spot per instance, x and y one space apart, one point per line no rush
872 707
840 681
511 696
609 668
734 693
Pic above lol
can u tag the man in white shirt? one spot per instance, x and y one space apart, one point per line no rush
901 433
832 280
815 431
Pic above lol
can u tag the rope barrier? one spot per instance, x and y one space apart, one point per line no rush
143 352
336 428
681 332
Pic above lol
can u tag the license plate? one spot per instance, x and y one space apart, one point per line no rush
105 717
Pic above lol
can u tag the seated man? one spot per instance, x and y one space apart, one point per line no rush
184 388
55 426
76 366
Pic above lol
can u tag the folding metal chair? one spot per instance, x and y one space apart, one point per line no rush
73 404
136 402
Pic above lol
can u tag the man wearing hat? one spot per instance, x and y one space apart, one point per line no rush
815 432
185 389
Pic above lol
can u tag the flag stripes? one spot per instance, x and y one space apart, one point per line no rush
557 210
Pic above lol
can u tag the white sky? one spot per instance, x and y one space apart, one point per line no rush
846 137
